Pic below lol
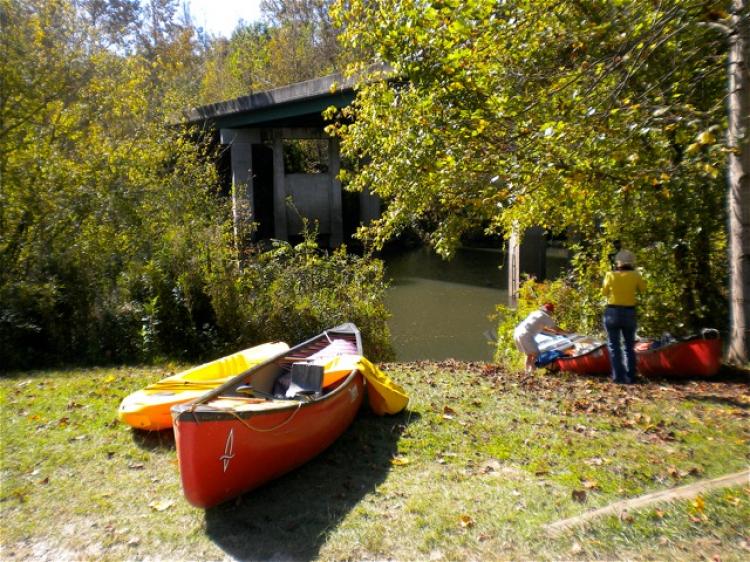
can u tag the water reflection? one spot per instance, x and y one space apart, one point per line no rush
440 308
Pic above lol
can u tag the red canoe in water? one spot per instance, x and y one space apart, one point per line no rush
268 420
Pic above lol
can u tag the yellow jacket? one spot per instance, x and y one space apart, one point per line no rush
620 287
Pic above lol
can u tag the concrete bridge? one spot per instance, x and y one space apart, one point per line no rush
259 129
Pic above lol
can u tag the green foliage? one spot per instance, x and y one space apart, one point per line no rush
297 291
113 239
296 42
603 120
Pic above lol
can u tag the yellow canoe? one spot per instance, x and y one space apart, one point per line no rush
150 408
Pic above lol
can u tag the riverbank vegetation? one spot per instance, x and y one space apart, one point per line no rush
601 122
115 229
479 117
476 468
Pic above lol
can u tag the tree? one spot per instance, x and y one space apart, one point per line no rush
738 143
295 42
304 40
598 118
102 204
114 238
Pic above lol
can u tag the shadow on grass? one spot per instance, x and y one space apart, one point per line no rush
154 440
289 518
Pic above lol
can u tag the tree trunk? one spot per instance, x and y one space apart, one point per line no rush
739 182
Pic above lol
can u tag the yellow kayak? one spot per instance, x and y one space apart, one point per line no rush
150 408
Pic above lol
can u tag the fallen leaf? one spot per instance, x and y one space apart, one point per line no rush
400 461
136 466
590 484
491 465
699 504
579 495
466 521
734 500
161 505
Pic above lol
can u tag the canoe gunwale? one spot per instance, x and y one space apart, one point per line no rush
675 343
348 328
584 354
197 411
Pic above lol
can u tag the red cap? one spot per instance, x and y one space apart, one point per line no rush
548 307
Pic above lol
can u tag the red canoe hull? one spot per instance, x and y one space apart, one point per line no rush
693 358
594 362
267 420
223 458
700 357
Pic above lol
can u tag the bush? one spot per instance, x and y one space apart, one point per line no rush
292 293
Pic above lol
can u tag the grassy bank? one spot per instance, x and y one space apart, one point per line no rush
475 468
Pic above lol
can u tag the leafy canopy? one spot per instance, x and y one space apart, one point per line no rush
599 119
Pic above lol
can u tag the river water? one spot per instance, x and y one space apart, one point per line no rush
440 308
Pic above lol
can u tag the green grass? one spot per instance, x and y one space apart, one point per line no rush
480 462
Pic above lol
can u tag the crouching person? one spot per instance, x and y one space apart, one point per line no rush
538 321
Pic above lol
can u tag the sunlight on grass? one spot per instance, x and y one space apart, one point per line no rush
475 469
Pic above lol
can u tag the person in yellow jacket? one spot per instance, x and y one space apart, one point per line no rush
621 288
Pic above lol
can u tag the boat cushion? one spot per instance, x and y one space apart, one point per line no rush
336 347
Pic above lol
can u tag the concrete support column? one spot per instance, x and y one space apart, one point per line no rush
527 256
240 143
513 272
334 194
279 188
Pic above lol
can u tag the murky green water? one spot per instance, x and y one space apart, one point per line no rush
440 309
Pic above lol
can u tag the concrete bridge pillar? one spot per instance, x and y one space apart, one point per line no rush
240 143
279 187
526 255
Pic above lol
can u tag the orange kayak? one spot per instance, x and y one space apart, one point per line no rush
149 408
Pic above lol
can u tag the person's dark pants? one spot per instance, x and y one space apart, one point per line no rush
620 323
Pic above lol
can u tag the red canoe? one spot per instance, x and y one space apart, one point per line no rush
255 427
699 356
594 361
